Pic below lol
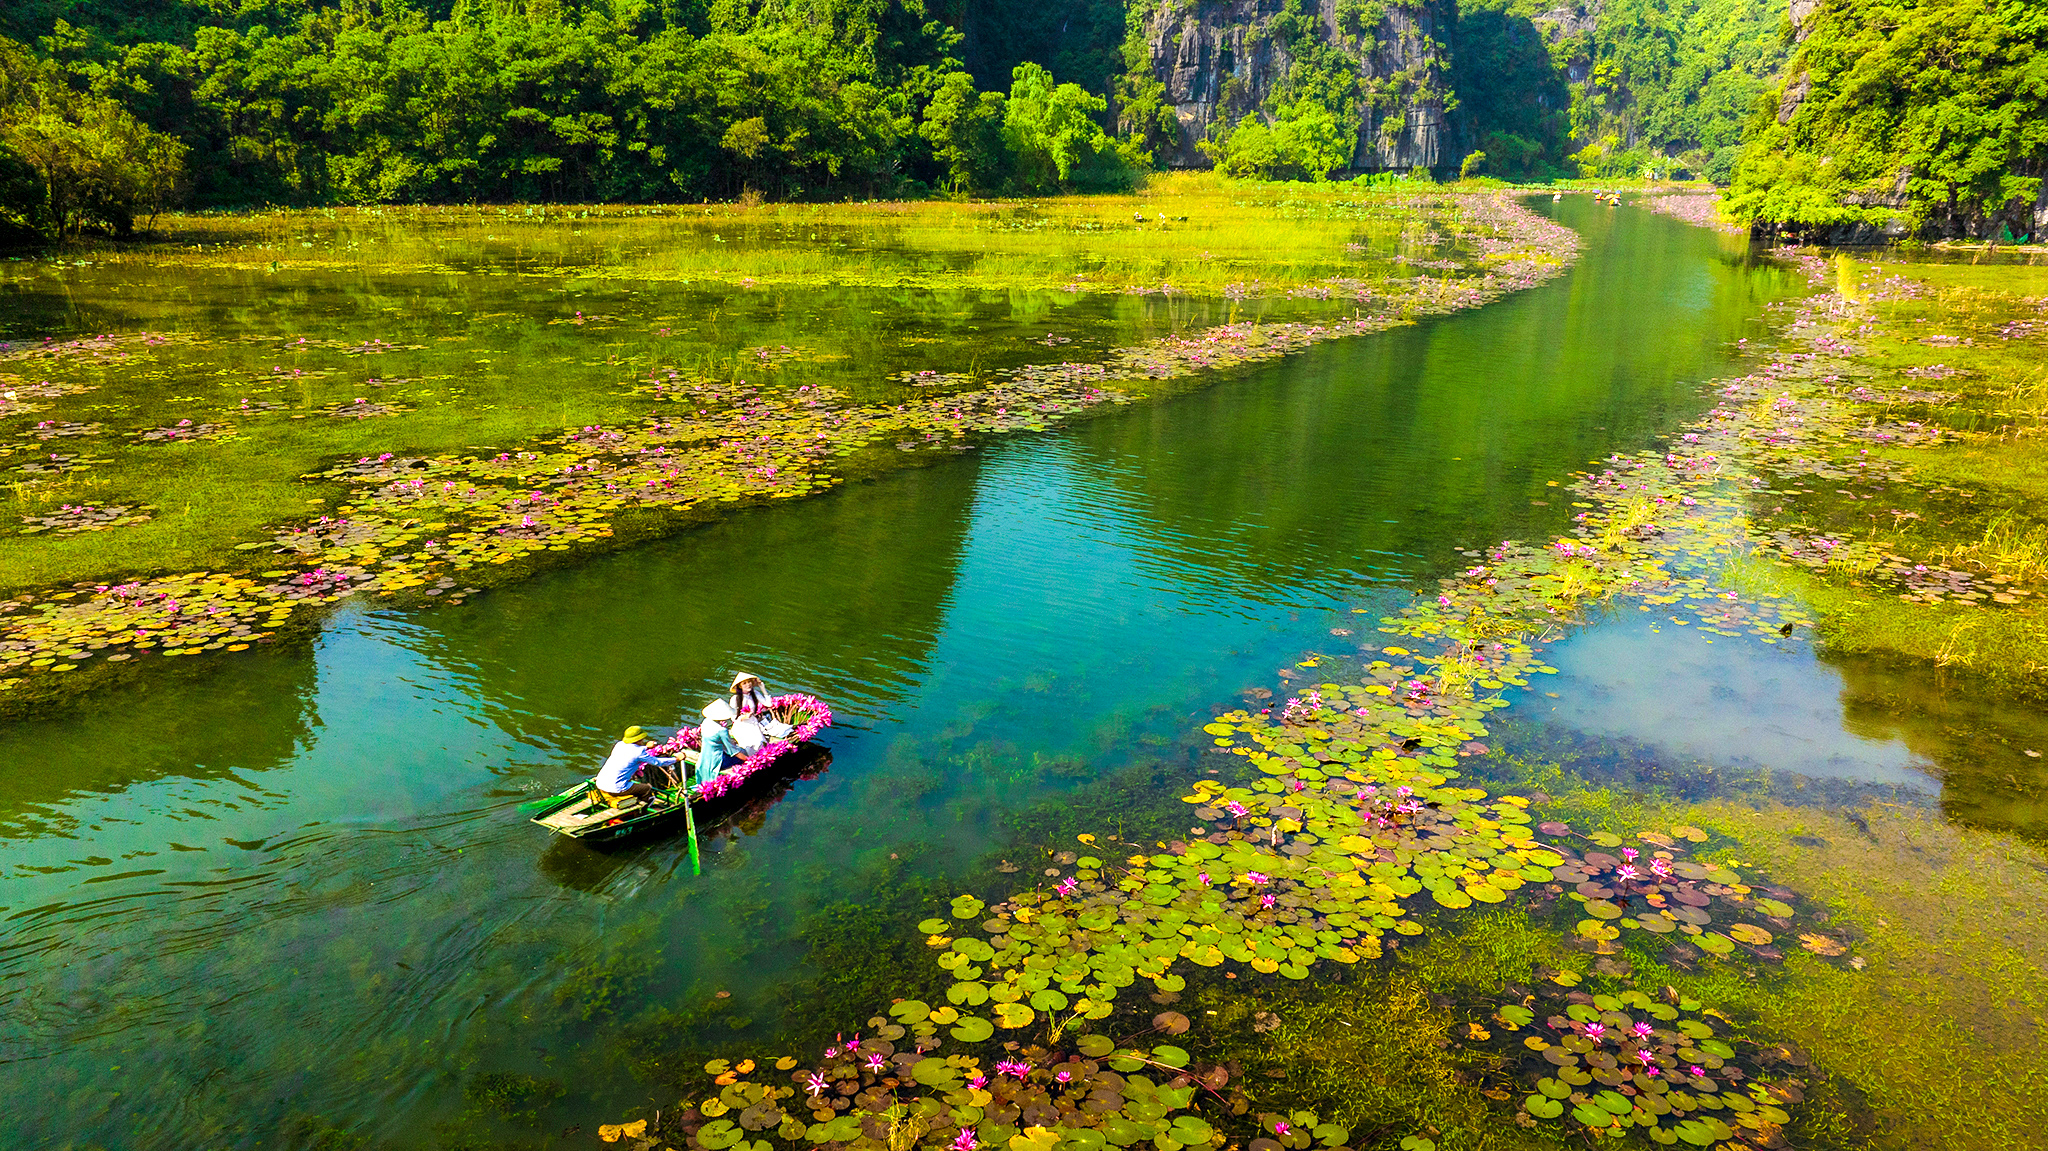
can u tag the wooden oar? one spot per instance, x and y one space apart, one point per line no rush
690 821
532 805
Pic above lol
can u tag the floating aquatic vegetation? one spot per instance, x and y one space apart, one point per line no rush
360 409
1666 1066
105 348
1655 889
51 464
894 1089
1701 209
69 519
184 431
62 429
17 396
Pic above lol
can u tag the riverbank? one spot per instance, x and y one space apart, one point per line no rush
1906 467
685 440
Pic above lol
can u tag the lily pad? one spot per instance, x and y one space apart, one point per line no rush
1171 1022
972 1029
719 1134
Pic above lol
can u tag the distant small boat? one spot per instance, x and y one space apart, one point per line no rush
581 812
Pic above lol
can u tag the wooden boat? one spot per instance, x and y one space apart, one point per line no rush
581 812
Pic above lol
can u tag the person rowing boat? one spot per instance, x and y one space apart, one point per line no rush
619 778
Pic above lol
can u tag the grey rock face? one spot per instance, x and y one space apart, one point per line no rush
1217 62
1802 14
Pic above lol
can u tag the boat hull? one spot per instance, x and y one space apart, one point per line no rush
667 818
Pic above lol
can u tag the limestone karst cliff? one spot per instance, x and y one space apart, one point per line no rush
1218 60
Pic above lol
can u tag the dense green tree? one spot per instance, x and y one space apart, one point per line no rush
965 131
1303 142
1930 112
71 159
1054 137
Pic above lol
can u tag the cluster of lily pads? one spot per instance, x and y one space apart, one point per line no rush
903 1082
1665 1066
70 519
1655 889
421 525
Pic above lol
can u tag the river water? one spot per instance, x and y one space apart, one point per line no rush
285 896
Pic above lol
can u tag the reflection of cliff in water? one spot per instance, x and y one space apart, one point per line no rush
209 720
840 595
1362 454
1976 735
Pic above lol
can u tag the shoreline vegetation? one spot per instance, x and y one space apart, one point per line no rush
416 526
1902 464
1855 120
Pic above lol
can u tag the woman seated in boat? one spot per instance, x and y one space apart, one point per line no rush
619 778
718 750
754 721
749 694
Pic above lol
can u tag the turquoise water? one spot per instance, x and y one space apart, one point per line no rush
288 894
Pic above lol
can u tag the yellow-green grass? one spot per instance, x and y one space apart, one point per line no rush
1984 485
2008 644
1941 1040
1198 234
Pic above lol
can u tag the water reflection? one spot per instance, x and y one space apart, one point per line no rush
1731 702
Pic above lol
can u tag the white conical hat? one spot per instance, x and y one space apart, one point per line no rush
720 711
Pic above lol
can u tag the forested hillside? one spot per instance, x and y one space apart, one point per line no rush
1906 116
1900 114
297 102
